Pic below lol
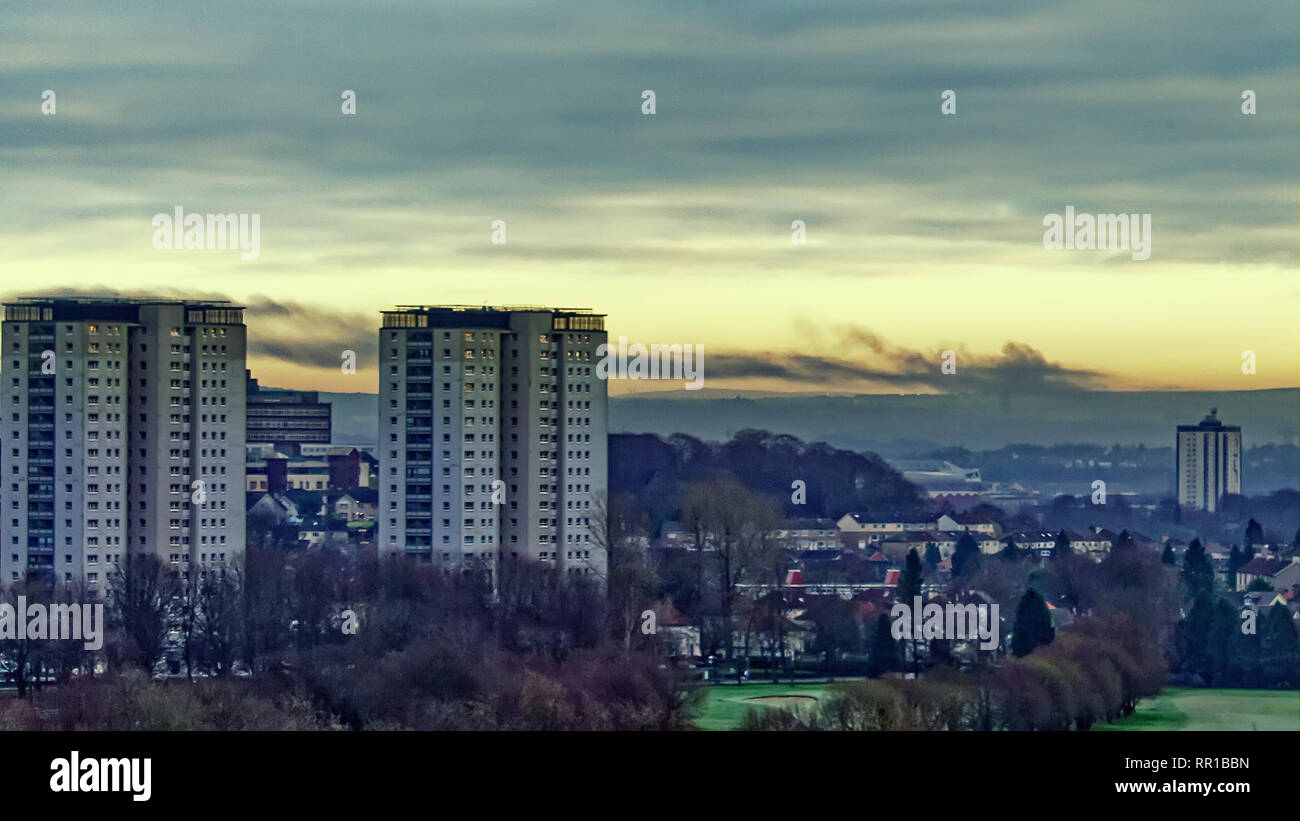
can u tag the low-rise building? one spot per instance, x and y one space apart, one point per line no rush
1038 541
970 521
896 548
340 467
878 526
809 534
679 638
355 505
1089 542
1281 574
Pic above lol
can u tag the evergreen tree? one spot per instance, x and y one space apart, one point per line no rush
910 584
1279 653
965 558
1222 643
1198 572
1062 547
1235 560
911 579
1242 655
941 652
1033 626
1011 552
1254 535
1194 638
883 656
932 556
1168 557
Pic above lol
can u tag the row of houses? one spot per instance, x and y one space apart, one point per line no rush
851 530
1095 543
881 527
760 633
895 537
785 626
309 518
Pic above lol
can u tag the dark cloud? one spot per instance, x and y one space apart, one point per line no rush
1018 370
293 332
512 102
309 335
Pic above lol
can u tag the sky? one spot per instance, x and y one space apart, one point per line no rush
924 230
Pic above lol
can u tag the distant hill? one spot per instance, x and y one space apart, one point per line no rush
898 425
355 416
656 470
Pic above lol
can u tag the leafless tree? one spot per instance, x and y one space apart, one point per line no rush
736 523
622 532
263 603
143 594
216 630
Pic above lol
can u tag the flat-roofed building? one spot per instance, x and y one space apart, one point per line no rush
123 429
1209 462
286 419
492 435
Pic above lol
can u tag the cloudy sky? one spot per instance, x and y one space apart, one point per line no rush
924 231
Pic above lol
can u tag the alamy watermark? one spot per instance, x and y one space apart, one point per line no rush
1088 232
208 232
951 621
39 621
77 774
638 361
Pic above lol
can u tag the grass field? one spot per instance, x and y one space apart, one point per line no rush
726 704
1176 708
1179 708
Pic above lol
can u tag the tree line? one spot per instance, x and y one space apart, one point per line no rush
329 639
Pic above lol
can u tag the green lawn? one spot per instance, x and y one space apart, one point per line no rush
1180 708
1176 708
725 705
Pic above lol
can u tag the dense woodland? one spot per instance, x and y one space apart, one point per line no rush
431 651
655 471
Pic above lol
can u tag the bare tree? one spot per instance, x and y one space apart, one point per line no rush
263 603
217 622
622 532
736 523
186 613
144 593
23 656
66 657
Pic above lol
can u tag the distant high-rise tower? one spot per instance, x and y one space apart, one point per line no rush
1209 463
492 436
123 429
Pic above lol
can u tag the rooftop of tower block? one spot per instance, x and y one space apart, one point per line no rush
1210 423
488 316
506 309
118 308
118 300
